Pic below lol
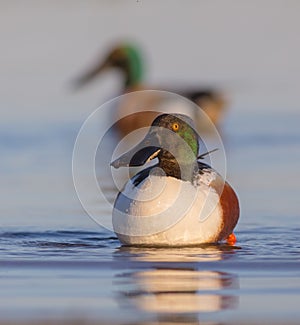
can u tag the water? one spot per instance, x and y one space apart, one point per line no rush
58 265
71 275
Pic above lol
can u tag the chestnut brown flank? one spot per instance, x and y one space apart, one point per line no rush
230 208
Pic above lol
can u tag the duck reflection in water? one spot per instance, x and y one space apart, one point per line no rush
178 284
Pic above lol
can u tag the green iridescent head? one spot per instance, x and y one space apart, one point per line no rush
173 140
182 127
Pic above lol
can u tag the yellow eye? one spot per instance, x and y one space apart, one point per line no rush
175 127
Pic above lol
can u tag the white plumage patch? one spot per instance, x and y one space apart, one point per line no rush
166 211
206 178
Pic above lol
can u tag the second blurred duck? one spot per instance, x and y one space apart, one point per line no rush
127 58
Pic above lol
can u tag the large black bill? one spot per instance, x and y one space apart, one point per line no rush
136 157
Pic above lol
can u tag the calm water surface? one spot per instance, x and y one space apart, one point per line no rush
57 264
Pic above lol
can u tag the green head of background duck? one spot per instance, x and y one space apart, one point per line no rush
126 58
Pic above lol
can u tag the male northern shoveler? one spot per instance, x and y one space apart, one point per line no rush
128 59
177 202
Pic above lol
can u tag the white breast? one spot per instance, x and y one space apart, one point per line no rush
165 211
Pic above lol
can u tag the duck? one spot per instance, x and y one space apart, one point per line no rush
177 201
128 60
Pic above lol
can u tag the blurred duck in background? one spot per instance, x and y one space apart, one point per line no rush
127 58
